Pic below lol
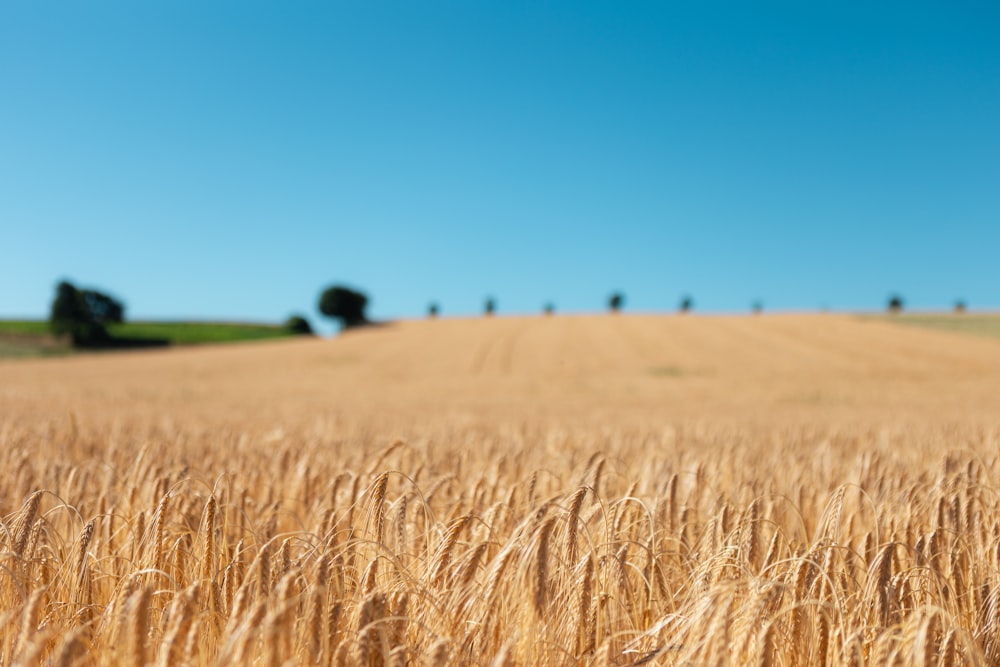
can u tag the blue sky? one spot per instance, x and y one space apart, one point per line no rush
227 160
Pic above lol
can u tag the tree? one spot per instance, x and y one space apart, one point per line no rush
433 310
757 307
67 310
83 315
687 303
895 304
344 304
550 308
616 301
959 307
299 326
490 306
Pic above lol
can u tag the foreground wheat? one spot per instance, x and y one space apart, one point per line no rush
500 545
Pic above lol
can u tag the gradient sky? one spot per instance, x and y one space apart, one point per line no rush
227 160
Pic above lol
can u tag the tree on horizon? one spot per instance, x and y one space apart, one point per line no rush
344 304
84 314
616 301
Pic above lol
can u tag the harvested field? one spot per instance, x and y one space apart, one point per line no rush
784 490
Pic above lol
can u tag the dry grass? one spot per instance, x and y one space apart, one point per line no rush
449 525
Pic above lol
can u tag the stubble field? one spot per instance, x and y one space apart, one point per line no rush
778 490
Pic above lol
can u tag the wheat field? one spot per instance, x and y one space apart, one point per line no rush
595 490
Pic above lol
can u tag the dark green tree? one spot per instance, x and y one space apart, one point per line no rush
433 310
83 315
299 325
960 307
67 309
687 303
490 306
895 304
757 307
344 304
616 301
550 308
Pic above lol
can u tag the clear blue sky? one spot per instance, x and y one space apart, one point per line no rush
227 160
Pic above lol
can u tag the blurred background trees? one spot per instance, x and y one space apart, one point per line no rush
299 325
616 301
344 304
84 314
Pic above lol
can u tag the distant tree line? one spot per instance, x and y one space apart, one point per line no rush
616 302
84 315
347 305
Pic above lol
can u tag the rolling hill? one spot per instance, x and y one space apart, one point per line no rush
754 369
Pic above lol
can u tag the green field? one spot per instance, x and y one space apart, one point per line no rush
194 333
978 324
23 328
31 338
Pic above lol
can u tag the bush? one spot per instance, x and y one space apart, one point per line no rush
299 325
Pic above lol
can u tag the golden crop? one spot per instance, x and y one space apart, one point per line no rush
548 491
